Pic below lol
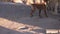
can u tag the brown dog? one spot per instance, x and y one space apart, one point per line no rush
39 7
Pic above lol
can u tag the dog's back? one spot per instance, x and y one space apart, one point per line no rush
29 2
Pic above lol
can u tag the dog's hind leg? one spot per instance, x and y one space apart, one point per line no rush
45 11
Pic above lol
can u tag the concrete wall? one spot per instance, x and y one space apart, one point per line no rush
58 6
53 4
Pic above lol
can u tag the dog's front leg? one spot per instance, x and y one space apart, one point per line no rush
33 10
